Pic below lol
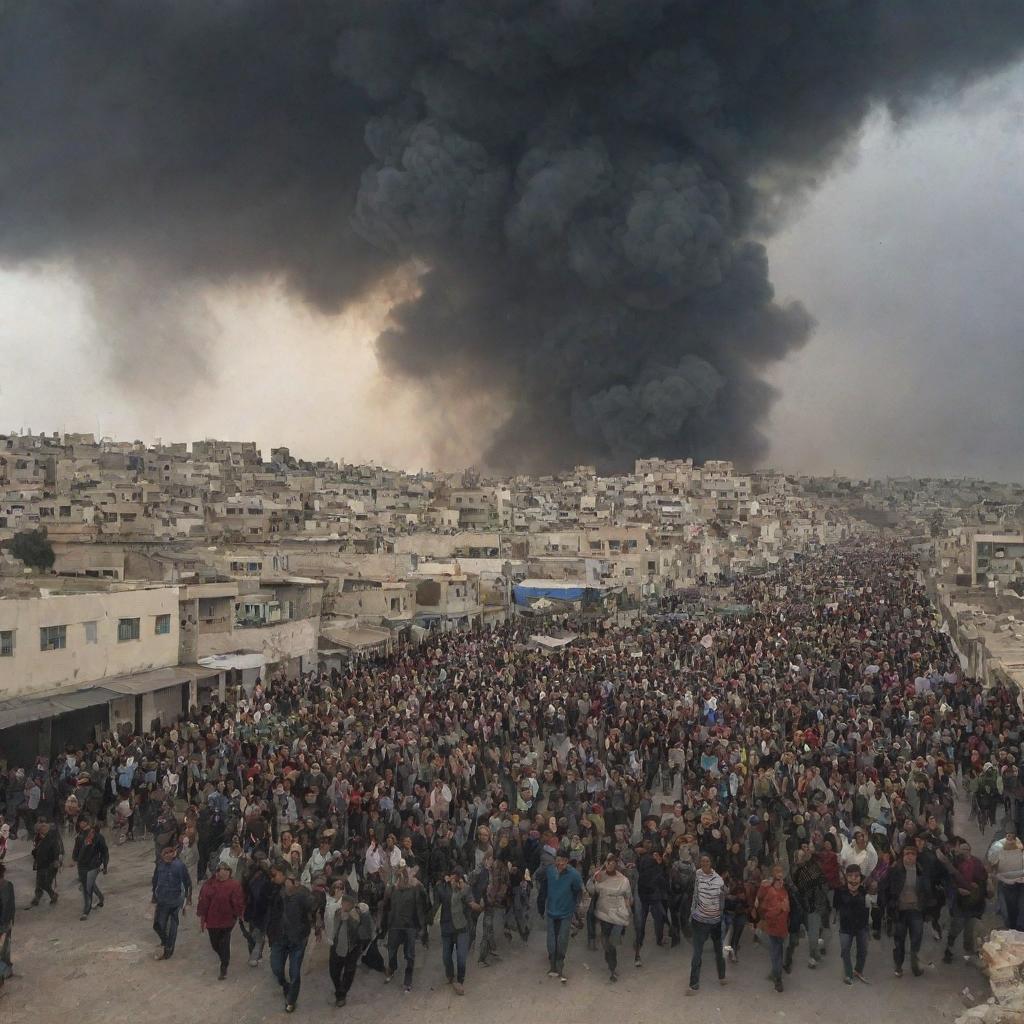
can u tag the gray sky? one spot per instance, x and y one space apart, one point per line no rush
908 256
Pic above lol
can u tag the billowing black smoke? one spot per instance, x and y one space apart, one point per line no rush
582 181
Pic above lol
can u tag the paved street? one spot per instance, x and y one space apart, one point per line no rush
101 970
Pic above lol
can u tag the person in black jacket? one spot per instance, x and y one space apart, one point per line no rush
258 889
906 896
851 904
91 856
652 891
289 921
405 910
46 855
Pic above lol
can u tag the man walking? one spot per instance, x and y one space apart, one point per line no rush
46 854
404 917
557 898
91 856
457 910
773 909
614 905
852 905
172 892
221 904
970 882
352 929
706 920
289 923
905 897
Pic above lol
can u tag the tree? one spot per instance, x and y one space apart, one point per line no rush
32 547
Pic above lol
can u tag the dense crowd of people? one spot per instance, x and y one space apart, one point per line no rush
783 775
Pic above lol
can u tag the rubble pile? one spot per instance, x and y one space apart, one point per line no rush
1003 962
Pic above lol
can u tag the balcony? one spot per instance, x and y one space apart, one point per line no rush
214 624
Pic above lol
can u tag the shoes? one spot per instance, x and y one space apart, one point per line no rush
915 966
936 931
407 989
289 1007
898 972
722 981
692 990
778 984
788 966
483 963
84 917
947 956
562 978
223 974
254 963
53 899
459 989
613 977
847 980
552 974
812 963
162 955
637 962
860 977
388 975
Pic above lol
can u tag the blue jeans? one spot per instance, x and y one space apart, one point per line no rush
558 940
165 924
454 950
90 889
776 948
406 939
702 931
290 953
846 940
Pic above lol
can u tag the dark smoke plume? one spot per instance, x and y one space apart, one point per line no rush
583 181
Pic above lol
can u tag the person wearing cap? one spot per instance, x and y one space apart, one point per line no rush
172 892
221 904
852 907
458 910
905 897
558 895
351 929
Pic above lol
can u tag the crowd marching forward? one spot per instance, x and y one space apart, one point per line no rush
788 777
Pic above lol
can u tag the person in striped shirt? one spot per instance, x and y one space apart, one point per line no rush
706 919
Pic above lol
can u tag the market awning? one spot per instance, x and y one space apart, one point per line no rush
357 638
239 660
18 710
157 679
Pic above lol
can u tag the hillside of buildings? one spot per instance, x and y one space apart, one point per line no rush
184 571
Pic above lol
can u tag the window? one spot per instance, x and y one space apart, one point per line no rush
127 629
53 638
6 643
90 632
163 625
65 511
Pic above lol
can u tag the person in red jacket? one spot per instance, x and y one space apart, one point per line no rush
772 908
221 904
